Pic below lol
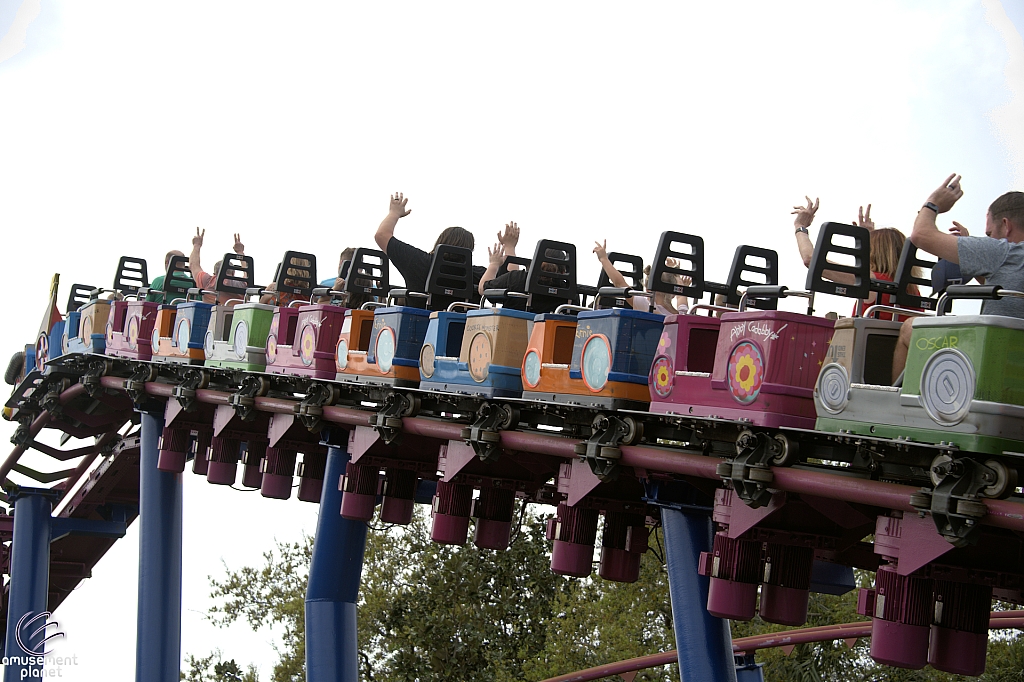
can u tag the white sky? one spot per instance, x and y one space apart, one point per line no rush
124 125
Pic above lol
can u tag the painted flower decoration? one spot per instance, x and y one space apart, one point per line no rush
661 373
746 372
664 343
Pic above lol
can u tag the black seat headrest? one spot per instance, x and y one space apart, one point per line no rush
911 261
753 266
296 274
688 252
131 275
824 260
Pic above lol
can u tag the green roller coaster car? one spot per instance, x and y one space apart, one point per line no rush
963 384
237 337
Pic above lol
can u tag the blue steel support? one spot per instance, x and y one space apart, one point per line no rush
334 573
30 583
704 642
158 648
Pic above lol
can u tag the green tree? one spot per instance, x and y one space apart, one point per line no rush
437 612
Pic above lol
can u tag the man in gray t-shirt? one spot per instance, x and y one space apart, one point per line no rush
997 258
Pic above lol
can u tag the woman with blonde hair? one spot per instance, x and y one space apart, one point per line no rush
886 247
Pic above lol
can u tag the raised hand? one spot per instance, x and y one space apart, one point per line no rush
601 249
959 230
805 214
510 238
397 205
238 247
864 218
948 194
198 239
496 256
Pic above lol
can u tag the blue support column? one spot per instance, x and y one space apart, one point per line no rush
704 642
334 573
30 581
158 648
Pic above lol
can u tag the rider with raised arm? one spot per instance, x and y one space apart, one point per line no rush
886 247
414 263
206 280
997 258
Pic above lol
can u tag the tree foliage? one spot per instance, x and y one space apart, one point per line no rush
437 612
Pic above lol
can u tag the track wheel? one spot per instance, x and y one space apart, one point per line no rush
787 451
1005 483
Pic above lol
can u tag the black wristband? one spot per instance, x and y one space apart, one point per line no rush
932 206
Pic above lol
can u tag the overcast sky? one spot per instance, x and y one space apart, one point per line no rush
123 126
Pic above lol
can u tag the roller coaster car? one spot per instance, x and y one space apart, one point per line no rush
312 329
236 335
80 295
379 343
494 340
131 319
87 332
766 361
388 349
962 384
598 357
180 324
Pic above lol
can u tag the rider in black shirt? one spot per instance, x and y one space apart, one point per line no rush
412 262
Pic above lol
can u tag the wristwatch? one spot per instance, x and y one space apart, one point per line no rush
804 230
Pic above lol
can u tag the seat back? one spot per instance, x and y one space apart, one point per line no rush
551 277
131 275
367 277
630 267
907 271
79 296
450 277
828 249
753 266
178 278
296 274
688 252
235 276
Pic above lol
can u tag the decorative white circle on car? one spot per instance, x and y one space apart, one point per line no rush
271 349
183 334
947 386
341 354
133 332
307 345
385 349
154 339
427 360
479 357
110 332
241 339
834 387
208 345
596 362
531 369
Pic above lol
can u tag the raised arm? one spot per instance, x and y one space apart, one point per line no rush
508 240
804 218
926 235
238 247
614 276
386 229
864 219
495 258
193 258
